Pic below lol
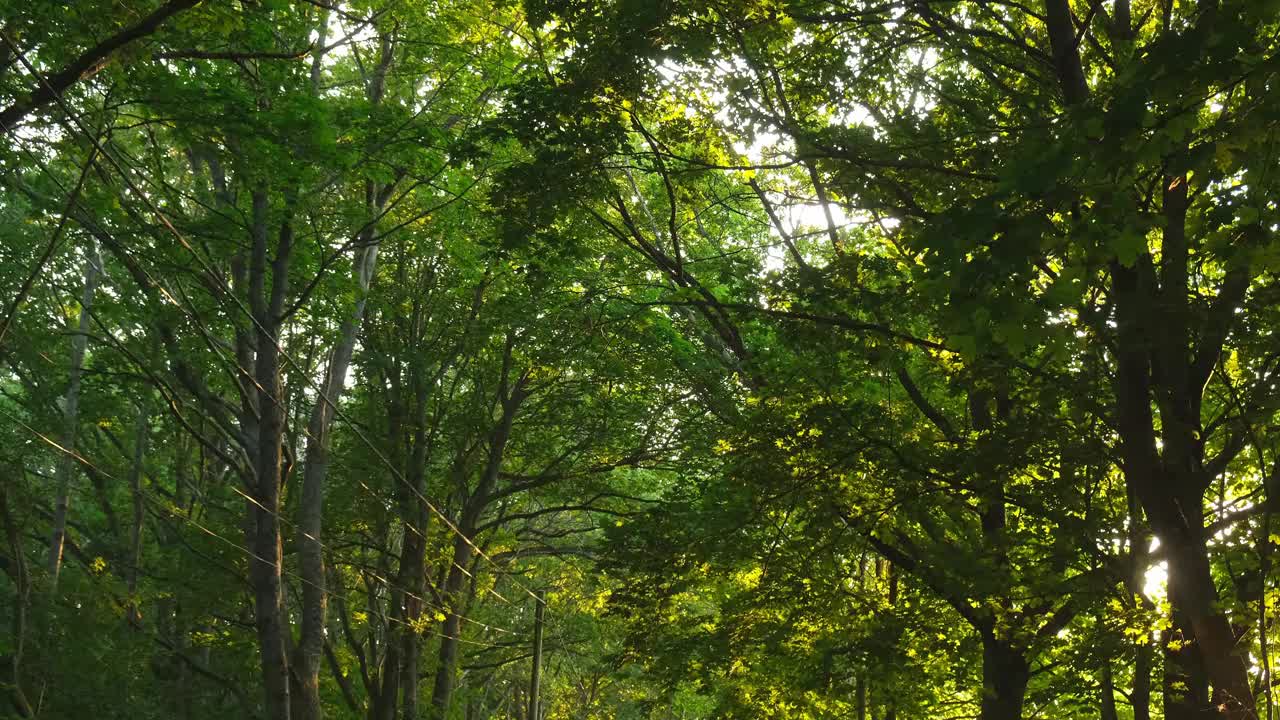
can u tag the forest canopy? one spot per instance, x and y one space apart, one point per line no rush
639 359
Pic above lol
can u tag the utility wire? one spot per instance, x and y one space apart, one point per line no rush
184 305
79 126
243 549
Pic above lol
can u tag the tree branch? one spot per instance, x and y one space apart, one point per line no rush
88 63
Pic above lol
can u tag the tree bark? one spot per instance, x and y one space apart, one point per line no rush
310 650
447 659
1141 693
891 575
1185 686
1155 361
414 579
309 653
535 678
1066 58
407 418
71 418
384 704
1107 687
510 398
1005 674
140 436
860 695
267 455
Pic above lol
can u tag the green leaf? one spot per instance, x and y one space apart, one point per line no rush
1128 246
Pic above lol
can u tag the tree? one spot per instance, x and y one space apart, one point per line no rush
966 227
794 359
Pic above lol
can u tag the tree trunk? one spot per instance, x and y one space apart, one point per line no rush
1168 479
140 436
1139 540
510 397
1184 685
310 651
860 695
891 575
398 685
1141 694
268 602
535 678
400 668
413 576
267 454
1107 703
1192 590
1005 674
71 417
384 705
455 583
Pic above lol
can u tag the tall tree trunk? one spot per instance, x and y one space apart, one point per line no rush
265 576
1178 392
1140 696
1184 684
384 704
510 397
1064 48
1193 592
1168 478
1005 674
1156 360
1264 569
1005 668
71 417
535 678
408 416
397 685
140 436
447 660
860 695
269 469
891 576
1139 541
310 650
413 576
1107 688
399 688
309 653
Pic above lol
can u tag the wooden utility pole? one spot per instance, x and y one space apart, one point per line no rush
536 678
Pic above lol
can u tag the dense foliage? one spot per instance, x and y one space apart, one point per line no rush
692 359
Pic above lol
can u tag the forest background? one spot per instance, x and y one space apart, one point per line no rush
639 359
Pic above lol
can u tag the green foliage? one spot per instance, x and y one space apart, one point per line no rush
800 351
